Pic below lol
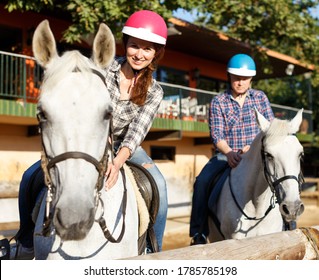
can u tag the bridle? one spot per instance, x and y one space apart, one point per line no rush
273 182
100 165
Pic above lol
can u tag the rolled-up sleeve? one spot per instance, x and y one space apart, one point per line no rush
216 122
142 122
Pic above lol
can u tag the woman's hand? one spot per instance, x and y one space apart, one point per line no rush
113 169
111 175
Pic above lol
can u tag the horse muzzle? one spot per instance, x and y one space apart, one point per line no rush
290 211
69 229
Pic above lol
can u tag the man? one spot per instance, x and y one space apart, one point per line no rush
233 127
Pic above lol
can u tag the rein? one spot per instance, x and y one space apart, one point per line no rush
271 206
101 167
274 187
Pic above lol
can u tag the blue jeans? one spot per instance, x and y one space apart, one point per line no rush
140 157
25 234
199 213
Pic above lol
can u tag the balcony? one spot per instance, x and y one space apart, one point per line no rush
183 110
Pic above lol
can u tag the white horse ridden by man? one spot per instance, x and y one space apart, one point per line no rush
82 220
262 194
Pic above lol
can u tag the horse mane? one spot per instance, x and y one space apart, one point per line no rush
277 131
70 61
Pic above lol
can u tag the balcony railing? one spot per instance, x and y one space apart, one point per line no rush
186 103
20 79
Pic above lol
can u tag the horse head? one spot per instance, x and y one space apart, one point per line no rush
282 154
74 112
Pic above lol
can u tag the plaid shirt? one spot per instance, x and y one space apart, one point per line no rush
236 125
131 122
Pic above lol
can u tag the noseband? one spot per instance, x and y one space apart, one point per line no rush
101 167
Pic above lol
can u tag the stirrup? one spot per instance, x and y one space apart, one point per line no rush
4 249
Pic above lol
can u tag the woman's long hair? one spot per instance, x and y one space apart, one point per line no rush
145 75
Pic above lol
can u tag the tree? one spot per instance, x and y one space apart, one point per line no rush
86 15
285 26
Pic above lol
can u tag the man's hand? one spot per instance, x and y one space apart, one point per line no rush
233 159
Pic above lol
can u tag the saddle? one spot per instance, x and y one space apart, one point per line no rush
149 191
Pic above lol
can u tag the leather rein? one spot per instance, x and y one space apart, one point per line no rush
101 166
273 183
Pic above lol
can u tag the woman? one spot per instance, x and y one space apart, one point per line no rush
136 97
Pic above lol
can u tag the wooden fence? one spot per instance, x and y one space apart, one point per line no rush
299 244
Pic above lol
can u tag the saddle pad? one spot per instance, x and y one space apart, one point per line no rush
148 188
141 205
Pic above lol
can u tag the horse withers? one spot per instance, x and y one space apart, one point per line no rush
262 194
79 219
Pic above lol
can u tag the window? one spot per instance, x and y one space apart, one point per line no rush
163 152
11 39
210 84
172 76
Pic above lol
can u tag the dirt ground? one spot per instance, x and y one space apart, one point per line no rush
177 230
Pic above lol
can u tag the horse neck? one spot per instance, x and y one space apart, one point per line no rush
249 174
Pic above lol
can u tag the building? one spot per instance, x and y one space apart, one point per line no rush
178 141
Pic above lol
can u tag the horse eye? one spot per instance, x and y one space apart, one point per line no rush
41 116
301 156
269 156
107 115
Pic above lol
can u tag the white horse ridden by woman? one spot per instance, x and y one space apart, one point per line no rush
82 219
262 193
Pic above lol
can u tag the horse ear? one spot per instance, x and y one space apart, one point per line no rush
43 44
103 46
263 123
296 122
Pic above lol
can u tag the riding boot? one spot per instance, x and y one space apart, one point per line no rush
198 239
15 251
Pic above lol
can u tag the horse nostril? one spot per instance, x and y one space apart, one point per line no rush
285 209
301 209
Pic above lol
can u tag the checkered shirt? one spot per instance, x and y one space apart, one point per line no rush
236 125
131 122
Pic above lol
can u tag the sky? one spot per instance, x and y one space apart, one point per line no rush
184 15
190 17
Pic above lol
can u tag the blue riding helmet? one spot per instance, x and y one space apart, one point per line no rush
242 65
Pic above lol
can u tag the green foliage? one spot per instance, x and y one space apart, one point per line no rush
86 15
29 5
285 26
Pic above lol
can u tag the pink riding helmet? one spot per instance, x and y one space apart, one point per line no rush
146 25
